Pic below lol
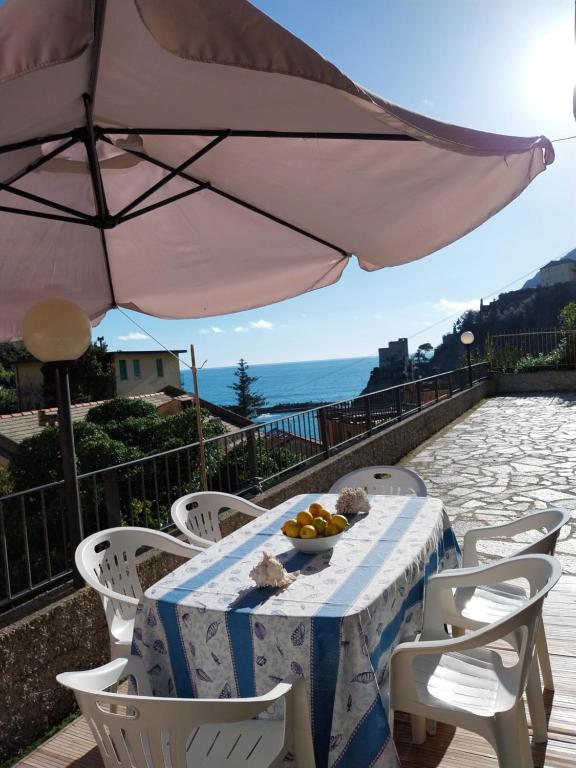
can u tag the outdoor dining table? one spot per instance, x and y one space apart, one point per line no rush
207 631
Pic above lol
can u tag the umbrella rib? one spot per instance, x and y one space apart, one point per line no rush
260 134
40 161
40 215
34 142
175 172
236 200
48 203
162 203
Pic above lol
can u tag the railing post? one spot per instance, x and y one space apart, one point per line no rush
419 395
398 398
436 389
368 412
112 499
449 383
253 477
323 424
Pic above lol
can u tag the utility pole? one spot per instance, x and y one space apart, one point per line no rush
202 455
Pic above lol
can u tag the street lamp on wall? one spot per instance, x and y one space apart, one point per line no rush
467 338
58 331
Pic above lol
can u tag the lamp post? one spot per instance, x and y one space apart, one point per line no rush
467 338
58 331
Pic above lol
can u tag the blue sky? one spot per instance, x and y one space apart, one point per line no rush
499 65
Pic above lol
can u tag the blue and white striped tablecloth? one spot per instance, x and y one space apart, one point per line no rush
206 631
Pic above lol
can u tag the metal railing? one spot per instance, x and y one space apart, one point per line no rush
35 552
531 351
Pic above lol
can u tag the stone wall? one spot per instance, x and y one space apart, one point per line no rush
536 381
66 635
72 634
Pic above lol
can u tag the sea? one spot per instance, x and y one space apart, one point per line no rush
326 381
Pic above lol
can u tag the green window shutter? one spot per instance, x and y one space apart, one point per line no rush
136 368
123 370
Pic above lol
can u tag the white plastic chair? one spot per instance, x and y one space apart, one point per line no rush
142 731
389 481
482 606
107 562
196 514
459 680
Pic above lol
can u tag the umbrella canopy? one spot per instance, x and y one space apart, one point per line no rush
187 158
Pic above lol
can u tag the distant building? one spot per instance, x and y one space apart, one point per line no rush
395 352
562 271
135 373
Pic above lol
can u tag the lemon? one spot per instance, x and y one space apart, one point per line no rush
325 515
304 518
331 530
340 522
291 528
315 508
308 532
320 524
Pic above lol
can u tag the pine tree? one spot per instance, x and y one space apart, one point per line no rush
247 402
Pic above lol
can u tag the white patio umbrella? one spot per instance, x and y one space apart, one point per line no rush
187 158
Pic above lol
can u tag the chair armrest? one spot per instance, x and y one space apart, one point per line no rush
471 537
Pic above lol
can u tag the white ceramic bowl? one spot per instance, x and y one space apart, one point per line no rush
320 544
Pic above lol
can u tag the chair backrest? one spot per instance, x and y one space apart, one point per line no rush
389 481
540 571
107 562
198 513
157 732
550 521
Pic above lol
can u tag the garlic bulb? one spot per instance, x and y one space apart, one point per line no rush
270 572
352 500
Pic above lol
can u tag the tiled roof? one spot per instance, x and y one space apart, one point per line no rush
15 427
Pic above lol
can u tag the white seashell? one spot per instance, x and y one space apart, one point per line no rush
352 500
270 572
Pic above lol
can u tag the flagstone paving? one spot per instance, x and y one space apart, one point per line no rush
508 457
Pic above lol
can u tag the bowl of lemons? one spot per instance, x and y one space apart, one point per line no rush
314 529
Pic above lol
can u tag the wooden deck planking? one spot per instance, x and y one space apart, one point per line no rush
74 747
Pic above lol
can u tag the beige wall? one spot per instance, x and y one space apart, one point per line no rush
149 381
30 383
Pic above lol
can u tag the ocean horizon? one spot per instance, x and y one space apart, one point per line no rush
293 382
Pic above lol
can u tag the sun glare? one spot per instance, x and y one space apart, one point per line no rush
551 70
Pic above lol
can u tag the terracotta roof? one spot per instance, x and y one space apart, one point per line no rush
15 427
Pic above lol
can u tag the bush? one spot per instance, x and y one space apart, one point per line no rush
118 409
6 481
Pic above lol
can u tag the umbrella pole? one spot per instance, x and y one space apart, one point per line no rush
72 494
203 476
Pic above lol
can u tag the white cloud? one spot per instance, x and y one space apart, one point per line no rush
134 336
204 330
445 305
427 102
215 329
240 329
261 324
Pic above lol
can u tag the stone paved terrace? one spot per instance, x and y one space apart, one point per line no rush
507 457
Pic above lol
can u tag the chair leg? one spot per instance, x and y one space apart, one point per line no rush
418 729
536 704
430 727
544 658
391 722
512 742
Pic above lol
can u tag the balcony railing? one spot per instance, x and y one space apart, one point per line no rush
35 552
527 351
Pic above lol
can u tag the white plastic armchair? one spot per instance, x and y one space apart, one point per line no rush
462 682
141 731
389 481
107 562
197 514
476 608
